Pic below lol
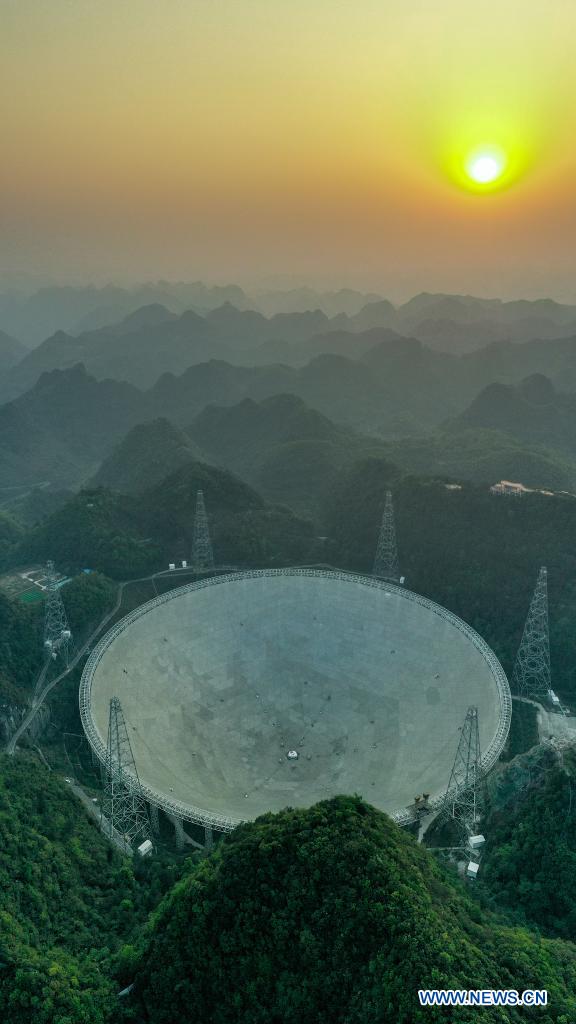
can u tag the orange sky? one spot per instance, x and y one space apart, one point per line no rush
267 140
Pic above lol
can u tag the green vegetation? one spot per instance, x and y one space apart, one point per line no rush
333 914
285 449
475 553
450 541
523 729
33 506
329 914
95 530
484 455
245 529
530 859
126 536
20 649
86 599
147 455
10 534
293 454
68 904
325 915
532 411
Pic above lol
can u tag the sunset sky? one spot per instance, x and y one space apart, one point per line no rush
290 141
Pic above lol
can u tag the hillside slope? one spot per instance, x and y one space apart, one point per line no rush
333 916
483 456
532 411
131 535
451 545
11 351
144 457
57 430
68 902
290 452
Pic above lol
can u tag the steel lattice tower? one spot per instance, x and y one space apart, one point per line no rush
531 676
123 805
202 554
57 635
462 800
386 560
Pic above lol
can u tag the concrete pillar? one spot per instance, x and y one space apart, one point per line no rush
154 819
208 838
178 831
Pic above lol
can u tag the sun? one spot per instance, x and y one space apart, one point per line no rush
485 167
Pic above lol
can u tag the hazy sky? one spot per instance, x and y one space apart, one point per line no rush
291 140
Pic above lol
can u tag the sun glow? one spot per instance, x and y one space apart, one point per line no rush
485 168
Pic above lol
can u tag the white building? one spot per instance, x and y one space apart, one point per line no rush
510 488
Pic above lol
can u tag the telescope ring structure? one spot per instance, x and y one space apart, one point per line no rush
224 680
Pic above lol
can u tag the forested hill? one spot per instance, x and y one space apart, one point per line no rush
331 915
530 859
334 916
475 553
144 457
450 541
533 411
126 536
86 598
68 903
288 451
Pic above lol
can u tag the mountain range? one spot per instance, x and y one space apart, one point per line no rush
155 338
11 351
290 452
532 411
127 535
145 456
63 425
34 316
287 430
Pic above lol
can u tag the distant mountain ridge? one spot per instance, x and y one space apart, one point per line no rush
11 351
148 453
74 309
399 389
126 535
153 339
63 425
290 452
532 411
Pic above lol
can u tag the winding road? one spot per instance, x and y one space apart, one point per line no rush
42 693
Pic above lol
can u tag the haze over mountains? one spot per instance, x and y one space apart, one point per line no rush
11 351
532 411
288 397
257 328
